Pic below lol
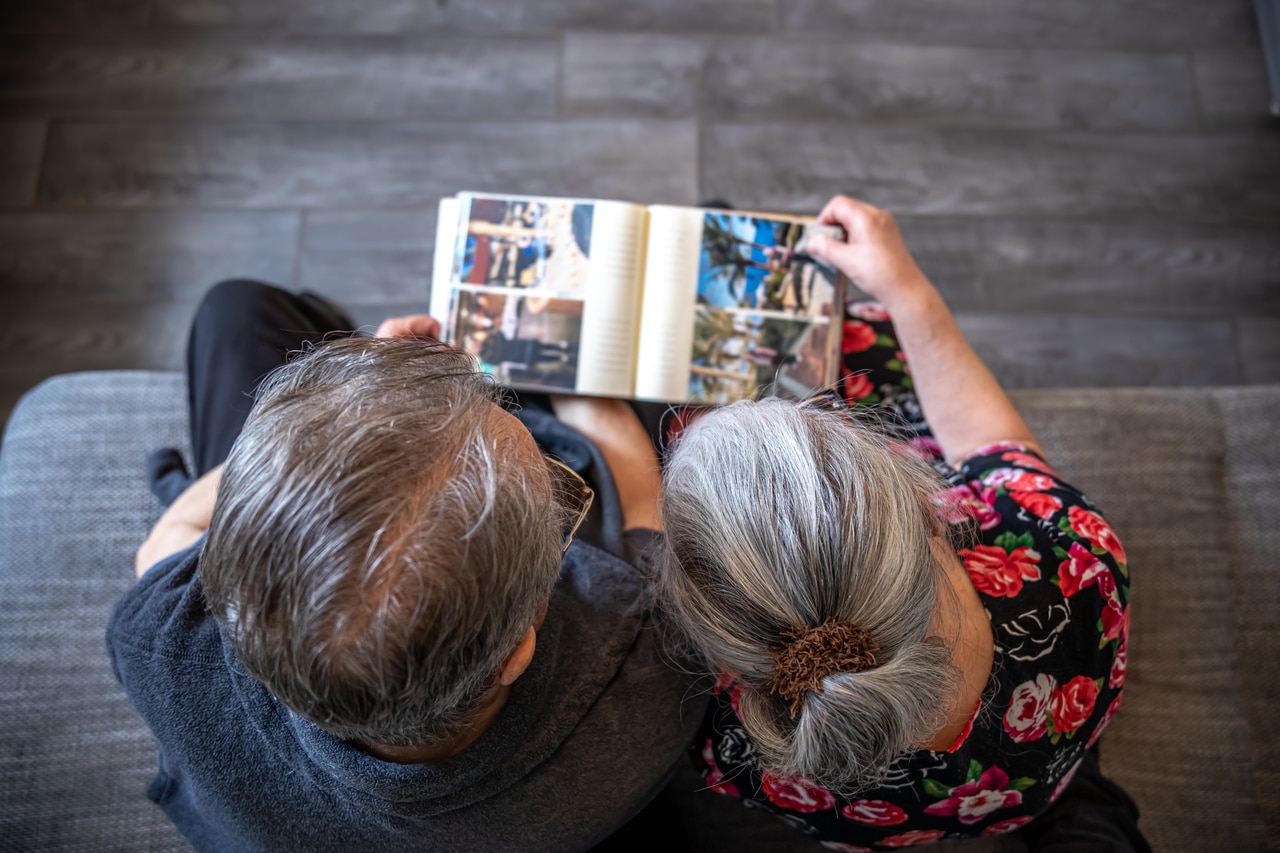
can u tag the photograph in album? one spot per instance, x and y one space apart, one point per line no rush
739 355
763 309
521 340
752 262
535 245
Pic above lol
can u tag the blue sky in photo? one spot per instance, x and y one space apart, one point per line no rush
713 284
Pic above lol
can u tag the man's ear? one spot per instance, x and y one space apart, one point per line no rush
518 661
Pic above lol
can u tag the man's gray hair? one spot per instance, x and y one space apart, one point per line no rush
780 517
376 553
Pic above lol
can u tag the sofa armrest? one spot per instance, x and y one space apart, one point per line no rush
74 506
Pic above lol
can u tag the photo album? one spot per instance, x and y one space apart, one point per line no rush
674 304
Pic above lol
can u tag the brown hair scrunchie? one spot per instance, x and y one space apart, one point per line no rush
808 655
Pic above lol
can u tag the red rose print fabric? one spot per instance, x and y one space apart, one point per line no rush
1054 578
796 793
1001 569
874 813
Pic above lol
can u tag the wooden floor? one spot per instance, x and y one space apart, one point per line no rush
1095 186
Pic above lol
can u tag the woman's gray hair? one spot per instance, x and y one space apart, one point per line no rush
781 517
377 548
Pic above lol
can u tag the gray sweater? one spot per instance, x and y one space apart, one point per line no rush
588 736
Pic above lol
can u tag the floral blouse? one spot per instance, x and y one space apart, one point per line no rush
1053 578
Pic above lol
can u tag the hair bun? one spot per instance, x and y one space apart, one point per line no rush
808 655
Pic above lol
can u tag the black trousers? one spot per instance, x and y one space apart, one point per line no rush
1092 814
241 332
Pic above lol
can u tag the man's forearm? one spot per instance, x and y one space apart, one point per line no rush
182 524
622 439
635 471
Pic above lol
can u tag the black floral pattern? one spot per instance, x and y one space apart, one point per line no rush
1053 577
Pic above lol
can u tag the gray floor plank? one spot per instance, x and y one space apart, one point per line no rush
947 251
997 173
137 258
47 337
278 77
1258 350
1089 350
488 16
1101 161
1101 23
369 230
1143 268
767 78
369 258
21 149
369 315
69 16
336 164
95 337
1232 84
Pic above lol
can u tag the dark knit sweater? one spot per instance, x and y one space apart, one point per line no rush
587 737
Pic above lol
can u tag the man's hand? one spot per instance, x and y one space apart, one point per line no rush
184 522
616 430
412 326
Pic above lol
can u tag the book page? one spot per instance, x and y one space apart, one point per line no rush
667 304
761 316
525 277
610 316
446 237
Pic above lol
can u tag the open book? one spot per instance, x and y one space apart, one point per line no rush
677 304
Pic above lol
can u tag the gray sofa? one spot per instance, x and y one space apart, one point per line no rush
1188 477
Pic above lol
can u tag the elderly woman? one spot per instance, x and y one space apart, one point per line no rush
919 627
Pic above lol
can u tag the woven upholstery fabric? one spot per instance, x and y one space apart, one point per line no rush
1187 477
1182 746
1251 419
75 759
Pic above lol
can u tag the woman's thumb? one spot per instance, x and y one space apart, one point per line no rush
832 251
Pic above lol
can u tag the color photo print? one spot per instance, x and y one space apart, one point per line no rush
742 355
753 263
532 245
522 340
764 309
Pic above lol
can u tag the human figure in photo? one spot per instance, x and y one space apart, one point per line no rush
395 610
516 250
872 622
527 353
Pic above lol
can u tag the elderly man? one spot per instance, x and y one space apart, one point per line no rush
369 629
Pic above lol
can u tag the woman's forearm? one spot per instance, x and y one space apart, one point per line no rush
964 404
962 401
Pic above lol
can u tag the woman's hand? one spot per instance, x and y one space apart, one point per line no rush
962 401
410 326
873 256
615 429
